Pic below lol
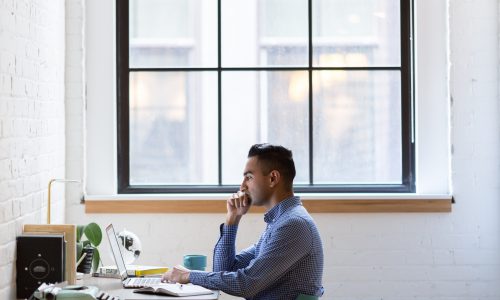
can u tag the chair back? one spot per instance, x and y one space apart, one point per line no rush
306 297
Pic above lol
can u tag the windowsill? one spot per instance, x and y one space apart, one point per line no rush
431 128
315 203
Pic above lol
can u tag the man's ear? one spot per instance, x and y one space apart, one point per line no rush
274 178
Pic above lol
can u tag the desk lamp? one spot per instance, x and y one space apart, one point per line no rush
49 193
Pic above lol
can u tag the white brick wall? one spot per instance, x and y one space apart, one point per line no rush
396 256
452 256
31 121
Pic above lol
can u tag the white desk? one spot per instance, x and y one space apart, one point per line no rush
114 287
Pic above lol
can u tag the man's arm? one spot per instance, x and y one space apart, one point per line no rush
224 252
281 252
225 258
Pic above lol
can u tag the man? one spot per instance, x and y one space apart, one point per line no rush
288 258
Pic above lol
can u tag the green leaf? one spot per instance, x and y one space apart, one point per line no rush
93 233
86 243
79 232
95 260
79 249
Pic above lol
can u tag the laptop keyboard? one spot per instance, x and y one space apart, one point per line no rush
140 282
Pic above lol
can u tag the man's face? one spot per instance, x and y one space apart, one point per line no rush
255 184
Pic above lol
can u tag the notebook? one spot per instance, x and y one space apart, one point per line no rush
174 289
128 282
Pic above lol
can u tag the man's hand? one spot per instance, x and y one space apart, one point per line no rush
177 274
237 206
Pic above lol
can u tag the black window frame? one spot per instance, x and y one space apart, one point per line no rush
407 111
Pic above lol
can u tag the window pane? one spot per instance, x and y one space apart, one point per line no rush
174 116
250 27
357 129
162 30
356 33
262 107
173 126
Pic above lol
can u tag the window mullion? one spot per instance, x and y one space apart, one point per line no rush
219 88
310 73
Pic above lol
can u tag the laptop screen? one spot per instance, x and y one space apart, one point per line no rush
115 249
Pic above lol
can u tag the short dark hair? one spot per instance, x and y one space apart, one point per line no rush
275 157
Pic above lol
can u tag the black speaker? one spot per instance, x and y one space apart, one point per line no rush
40 259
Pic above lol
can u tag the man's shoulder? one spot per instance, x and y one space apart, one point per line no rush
296 224
297 217
297 212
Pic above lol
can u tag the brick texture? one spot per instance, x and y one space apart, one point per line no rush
32 121
367 256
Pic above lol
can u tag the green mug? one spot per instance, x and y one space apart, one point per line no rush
196 262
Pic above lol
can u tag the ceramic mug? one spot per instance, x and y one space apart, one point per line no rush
195 262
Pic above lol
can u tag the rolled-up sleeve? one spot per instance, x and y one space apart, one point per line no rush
280 251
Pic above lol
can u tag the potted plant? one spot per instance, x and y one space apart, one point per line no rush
88 238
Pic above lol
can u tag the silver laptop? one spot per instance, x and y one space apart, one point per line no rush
128 282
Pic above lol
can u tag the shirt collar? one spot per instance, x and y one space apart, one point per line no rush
280 208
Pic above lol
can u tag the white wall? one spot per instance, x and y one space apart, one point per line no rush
75 99
392 256
32 141
386 256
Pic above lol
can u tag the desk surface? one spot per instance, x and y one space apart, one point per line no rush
114 287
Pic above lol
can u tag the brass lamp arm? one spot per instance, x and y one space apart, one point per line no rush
49 193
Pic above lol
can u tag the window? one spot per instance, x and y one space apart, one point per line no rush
200 81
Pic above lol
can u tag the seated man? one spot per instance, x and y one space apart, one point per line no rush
288 258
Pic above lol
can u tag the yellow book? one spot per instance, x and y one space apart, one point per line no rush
148 271
135 270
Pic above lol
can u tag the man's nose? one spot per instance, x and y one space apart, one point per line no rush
243 186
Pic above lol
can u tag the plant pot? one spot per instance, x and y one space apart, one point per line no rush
85 266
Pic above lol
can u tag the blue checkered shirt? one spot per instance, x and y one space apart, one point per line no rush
285 262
